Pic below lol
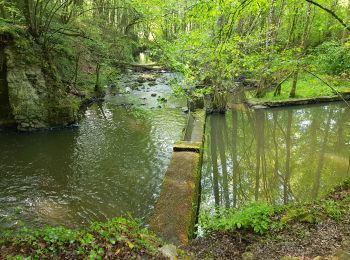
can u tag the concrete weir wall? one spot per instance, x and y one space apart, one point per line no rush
176 209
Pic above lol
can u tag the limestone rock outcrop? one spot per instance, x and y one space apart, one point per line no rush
32 93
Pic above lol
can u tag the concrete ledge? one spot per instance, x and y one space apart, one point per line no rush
175 212
187 146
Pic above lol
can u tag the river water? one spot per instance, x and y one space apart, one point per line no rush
275 155
112 164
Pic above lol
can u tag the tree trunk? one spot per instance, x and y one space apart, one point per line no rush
294 84
97 84
303 46
269 45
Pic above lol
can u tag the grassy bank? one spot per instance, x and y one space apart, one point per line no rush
308 87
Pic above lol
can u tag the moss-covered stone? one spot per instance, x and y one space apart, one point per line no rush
34 92
174 215
187 146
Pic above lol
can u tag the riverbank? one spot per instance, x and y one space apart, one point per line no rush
270 103
310 90
318 230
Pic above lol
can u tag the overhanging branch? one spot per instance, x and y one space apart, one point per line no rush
332 13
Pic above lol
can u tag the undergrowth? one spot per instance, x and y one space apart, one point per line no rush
259 217
119 237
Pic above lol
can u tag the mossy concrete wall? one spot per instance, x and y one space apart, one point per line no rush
36 95
176 210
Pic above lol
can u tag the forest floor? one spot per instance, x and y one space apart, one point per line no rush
313 231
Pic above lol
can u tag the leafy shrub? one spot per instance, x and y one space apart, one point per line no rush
305 214
254 216
333 209
332 58
119 235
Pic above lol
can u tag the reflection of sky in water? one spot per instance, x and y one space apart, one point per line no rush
263 162
112 165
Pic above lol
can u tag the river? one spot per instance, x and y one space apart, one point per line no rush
112 164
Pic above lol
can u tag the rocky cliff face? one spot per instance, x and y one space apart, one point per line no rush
34 95
6 117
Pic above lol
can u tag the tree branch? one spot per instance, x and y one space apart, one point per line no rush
332 13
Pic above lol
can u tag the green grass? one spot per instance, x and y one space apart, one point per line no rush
308 87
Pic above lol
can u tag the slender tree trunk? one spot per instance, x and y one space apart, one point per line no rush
330 21
269 46
304 40
76 71
279 21
98 70
294 84
293 25
3 12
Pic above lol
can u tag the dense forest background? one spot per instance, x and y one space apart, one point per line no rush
263 42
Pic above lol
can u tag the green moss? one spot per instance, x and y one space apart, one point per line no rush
187 146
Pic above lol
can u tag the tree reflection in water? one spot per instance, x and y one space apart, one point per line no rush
275 155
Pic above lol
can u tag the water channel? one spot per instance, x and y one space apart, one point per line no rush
112 164
281 155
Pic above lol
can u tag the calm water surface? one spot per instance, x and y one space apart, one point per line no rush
275 155
112 165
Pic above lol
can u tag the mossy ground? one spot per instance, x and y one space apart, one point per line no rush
308 87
